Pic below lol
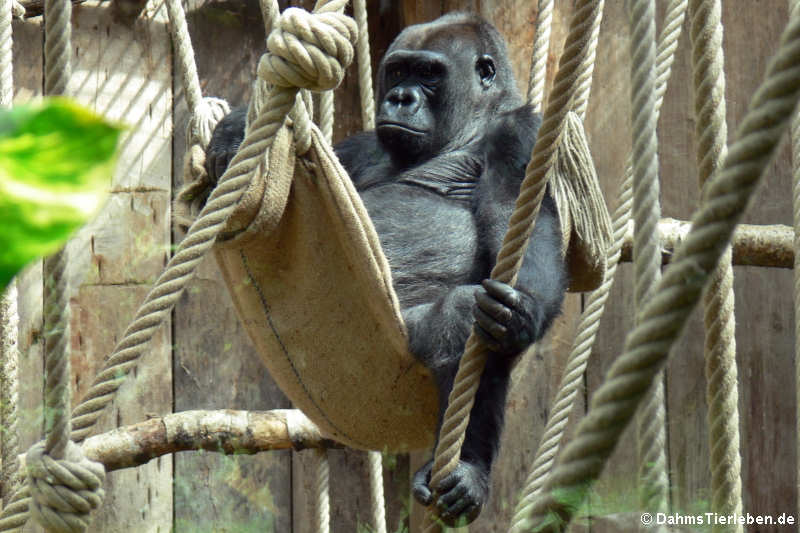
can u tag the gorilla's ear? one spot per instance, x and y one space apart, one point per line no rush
486 70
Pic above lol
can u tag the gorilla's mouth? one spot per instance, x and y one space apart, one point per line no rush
387 125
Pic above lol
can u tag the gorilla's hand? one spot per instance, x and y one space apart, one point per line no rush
225 141
462 493
505 318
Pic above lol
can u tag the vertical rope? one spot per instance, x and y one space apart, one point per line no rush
321 517
204 112
541 47
377 501
6 55
581 99
651 430
185 53
720 346
9 319
664 316
326 115
58 30
572 380
462 396
364 65
9 393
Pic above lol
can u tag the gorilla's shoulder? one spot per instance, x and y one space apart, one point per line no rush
510 137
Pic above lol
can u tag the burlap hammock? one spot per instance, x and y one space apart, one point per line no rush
307 275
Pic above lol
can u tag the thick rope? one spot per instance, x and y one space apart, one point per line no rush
6 55
581 98
58 34
320 495
522 221
326 115
648 345
541 47
794 7
56 355
9 319
651 426
9 393
204 112
572 380
720 344
377 500
364 61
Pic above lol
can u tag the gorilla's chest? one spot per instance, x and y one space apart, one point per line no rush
430 240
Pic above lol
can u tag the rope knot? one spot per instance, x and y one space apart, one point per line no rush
309 51
64 491
201 125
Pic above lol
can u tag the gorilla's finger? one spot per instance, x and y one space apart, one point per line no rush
493 308
490 325
451 497
463 507
502 292
487 339
420 488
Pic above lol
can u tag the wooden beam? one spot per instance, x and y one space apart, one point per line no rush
753 245
226 431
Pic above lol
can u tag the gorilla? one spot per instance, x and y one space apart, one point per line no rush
439 177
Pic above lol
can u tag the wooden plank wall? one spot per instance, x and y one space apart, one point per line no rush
124 69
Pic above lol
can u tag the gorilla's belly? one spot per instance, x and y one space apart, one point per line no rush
430 240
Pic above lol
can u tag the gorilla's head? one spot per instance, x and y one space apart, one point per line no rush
439 85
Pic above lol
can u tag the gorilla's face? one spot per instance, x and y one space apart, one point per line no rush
439 84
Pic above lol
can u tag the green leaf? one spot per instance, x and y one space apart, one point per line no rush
56 161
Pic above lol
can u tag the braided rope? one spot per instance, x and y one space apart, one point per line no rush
462 396
663 318
56 355
589 324
364 66
321 517
720 343
377 501
541 47
651 430
580 100
794 7
326 115
6 54
57 51
9 393
204 112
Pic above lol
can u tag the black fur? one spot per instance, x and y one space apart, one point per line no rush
439 178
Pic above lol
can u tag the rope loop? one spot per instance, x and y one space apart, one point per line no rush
204 120
309 51
64 492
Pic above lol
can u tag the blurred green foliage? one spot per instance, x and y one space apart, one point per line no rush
56 161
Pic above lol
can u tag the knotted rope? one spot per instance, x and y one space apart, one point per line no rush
720 344
663 318
204 112
522 221
64 486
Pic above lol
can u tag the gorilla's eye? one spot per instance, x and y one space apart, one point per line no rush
485 68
